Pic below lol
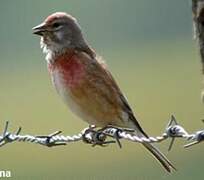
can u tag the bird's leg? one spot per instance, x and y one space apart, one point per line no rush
113 131
95 137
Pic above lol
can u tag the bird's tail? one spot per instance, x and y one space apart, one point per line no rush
160 157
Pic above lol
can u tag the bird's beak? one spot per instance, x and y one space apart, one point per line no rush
39 29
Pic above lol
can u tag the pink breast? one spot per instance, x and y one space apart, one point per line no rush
69 69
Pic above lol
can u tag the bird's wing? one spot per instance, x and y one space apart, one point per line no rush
111 90
125 106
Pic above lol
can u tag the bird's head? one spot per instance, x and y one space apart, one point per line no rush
59 31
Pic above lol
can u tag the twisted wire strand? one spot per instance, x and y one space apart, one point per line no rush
99 137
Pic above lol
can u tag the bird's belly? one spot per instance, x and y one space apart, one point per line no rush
75 100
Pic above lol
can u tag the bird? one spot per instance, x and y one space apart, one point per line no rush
83 81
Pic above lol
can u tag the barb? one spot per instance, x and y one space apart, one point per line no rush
101 137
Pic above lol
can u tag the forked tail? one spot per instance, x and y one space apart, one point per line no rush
160 157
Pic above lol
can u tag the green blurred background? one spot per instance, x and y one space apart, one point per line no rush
149 48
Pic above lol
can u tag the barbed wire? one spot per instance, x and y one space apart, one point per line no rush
94 136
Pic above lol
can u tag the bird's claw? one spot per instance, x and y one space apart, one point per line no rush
95 137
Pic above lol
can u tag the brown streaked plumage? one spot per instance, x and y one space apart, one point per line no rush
83 80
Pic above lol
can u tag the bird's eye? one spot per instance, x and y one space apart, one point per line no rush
56 25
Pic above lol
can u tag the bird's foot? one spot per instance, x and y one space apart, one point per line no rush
95 137
98 136
114 132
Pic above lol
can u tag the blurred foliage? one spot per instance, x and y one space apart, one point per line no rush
148 47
